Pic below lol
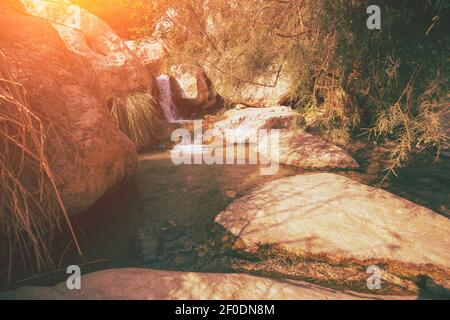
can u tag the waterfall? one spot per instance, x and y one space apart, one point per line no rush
165 98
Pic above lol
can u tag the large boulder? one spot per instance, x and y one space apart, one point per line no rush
144 284
191 89
150 52
93 156
332 216
304 150
118 71
265 91
269 90
294 146
244 123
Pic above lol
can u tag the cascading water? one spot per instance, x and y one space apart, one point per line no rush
170 112
165 98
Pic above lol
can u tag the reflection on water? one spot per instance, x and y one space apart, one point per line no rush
161 203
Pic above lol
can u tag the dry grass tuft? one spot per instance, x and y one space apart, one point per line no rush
137 118
31 207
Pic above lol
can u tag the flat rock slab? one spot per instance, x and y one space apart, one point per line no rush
304 150
316 214
243 124
145 284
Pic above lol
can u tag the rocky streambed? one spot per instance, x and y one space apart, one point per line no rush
316 229
302 224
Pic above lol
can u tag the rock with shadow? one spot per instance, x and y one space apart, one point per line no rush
306 151
331 216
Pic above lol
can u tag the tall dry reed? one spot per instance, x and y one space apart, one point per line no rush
31 207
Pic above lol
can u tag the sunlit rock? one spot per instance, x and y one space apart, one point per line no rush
243 123
91 155
265 91
116 69
330 215
304 150
150 52
145 284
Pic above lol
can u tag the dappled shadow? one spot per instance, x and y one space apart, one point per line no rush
265 216
307 150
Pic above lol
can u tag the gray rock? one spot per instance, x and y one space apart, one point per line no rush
191 89
296 147
273 92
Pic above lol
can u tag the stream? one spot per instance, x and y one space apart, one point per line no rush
163 217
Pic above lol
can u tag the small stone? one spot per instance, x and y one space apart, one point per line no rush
230 194
187 246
